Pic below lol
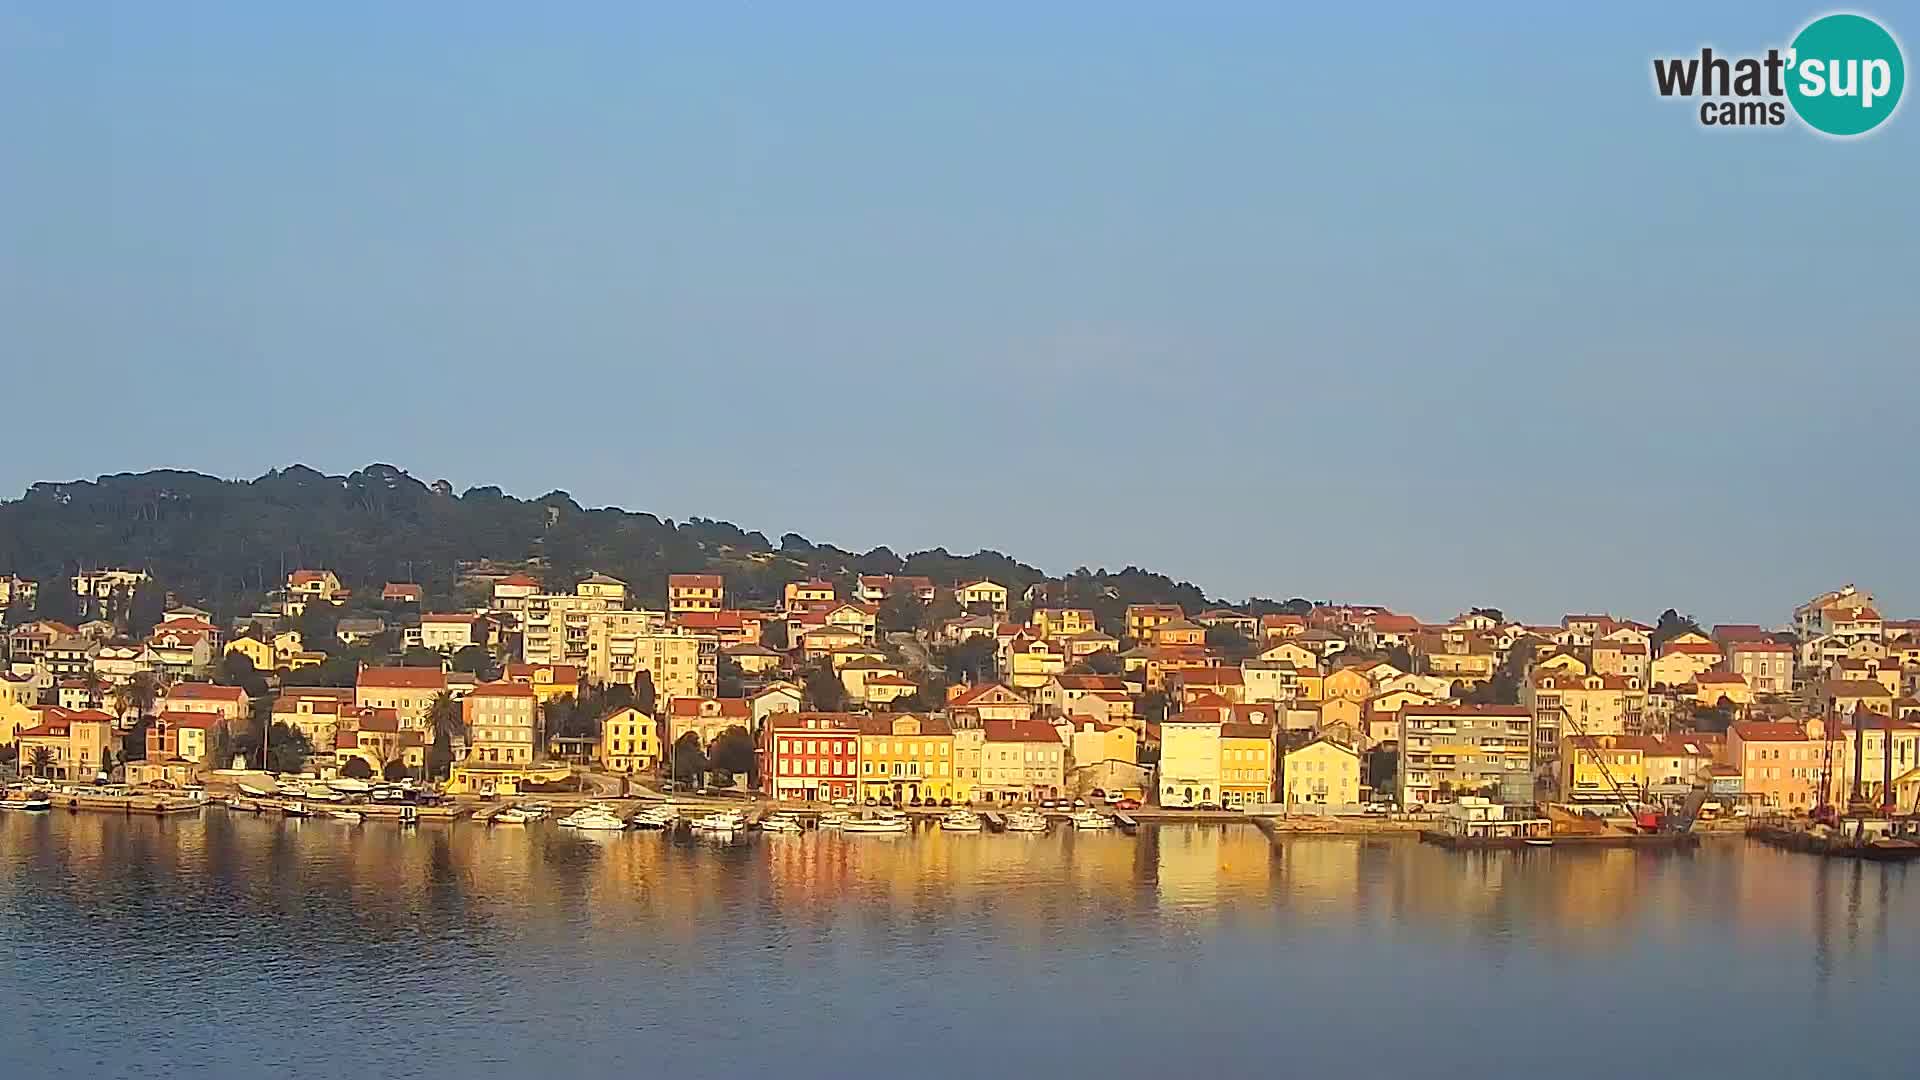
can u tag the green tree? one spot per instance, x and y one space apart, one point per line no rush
147 608
133 744
319 627
823 690
418 656
475 661
357 768
732 752
643 694
40 762
396 770
137 695
773 634
729 680
689 760
1104 662
235 669
1672 624
974 660
1228 642
287 749
899 612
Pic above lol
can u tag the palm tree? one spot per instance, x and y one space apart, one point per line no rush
444 724
137 695
41 761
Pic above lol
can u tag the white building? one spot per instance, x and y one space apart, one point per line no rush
1189 769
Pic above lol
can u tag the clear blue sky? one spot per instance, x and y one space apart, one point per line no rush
1409 306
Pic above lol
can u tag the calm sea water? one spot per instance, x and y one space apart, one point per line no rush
247 947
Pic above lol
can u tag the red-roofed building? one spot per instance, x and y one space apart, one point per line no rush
65 745
1021 761
401 592
229 703
706 717
988 701
695 592
1780 767
408 691
510 593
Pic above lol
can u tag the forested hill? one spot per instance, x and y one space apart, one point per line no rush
227 543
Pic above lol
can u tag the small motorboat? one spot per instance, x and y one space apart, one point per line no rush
1539 841
1026 821
26 801
785 823
346 815
1090 819
664 816
834 820
720 821
512 815
348 785
961 821
536 811
875 826
295 809
594 819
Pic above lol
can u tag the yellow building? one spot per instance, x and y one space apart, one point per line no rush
629 742
905 757
1062 622
75 744
1143 618
1350 683
696 592
17 698
1031 662
1246 764
1322 773
969 754
1712 687
258 653
1597 767
549 681
1096 743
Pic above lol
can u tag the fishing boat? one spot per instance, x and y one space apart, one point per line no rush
29 801
256 792
720 821
594 819
875 826
295 809
1090 819
786 823
834 819
1026 821
961 821
346 815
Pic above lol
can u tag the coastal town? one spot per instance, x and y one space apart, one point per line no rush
906 693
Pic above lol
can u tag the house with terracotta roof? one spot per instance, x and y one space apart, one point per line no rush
1682 659
1238 621
1061 622
1247 759
377 737
312 587
987 702
408 691
809 756
1324 772
1227 683
1061 693
66 744
984 591
629 742
706 717
402 592
1022 761
800 593
1780 766
510 593
229 703
1277 626
696 592
1143 618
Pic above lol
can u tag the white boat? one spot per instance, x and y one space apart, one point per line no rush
1026 821
665 816
961 821
782 823
26 803
346 815
1090 819
349 785
536 811
721 821
875 826
594 819
512 815
323 794
834 820
256 792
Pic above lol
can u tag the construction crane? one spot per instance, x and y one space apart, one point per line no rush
1644 820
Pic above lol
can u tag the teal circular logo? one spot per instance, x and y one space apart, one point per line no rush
1845 74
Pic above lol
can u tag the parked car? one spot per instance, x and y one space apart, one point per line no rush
1127 804
1206 806
1098 793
